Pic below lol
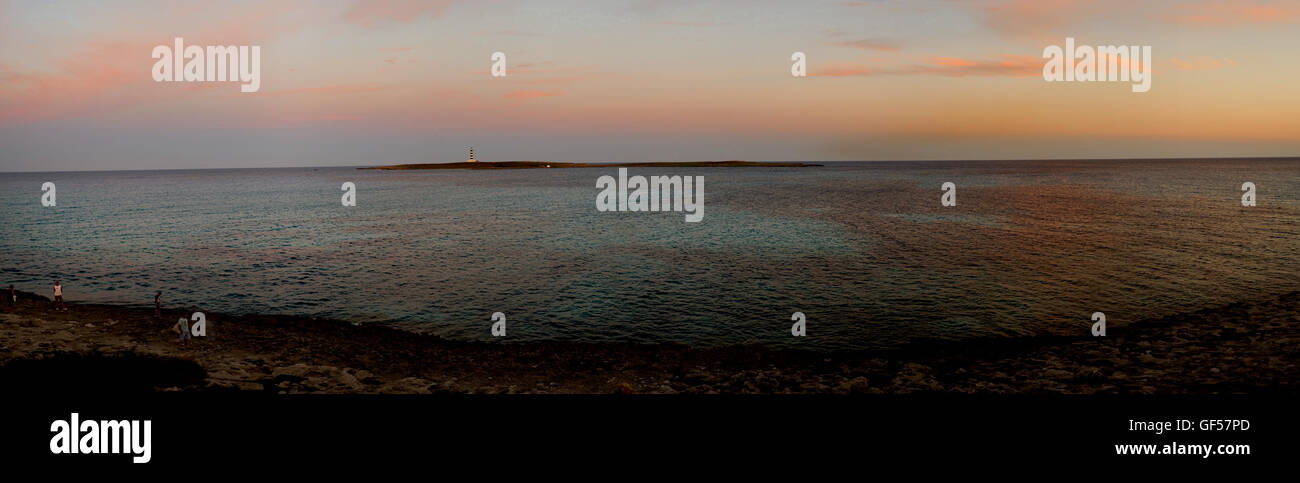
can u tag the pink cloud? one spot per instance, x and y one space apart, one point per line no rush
1003 66
843 71
110 75
952 62
100 78
1006 65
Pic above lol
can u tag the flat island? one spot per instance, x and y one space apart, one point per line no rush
548 164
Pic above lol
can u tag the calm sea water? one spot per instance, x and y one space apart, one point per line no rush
864 249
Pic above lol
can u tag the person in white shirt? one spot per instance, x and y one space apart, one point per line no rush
182 329
58 297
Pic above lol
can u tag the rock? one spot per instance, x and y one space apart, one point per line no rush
347 379
299 370
857 385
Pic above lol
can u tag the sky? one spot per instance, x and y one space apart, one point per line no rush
348 82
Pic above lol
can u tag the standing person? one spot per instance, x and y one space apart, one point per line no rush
157 305
11 298
58 297
182 328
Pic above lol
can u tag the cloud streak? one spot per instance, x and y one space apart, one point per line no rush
881 44
1003 66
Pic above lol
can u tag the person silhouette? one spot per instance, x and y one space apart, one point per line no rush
58 297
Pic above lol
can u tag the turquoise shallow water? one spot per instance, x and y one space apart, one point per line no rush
864 249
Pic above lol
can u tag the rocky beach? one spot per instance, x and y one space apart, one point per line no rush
1246 347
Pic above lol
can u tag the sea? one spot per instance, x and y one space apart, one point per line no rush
865 250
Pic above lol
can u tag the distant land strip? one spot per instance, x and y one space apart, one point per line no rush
546 164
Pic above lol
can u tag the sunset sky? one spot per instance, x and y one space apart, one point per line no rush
363 83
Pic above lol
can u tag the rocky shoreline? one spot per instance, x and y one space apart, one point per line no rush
1246 347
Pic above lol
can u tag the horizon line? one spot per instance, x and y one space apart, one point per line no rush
977 160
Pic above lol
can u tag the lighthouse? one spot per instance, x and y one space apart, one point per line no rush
471 156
